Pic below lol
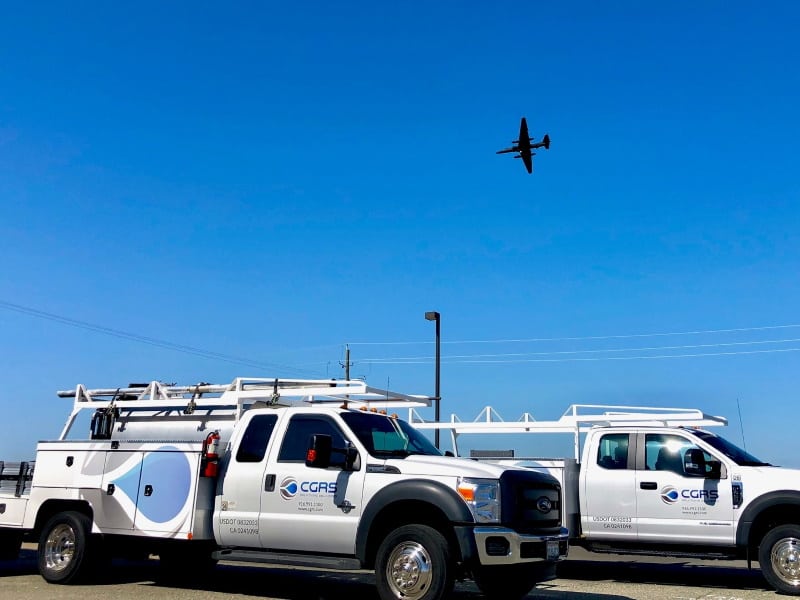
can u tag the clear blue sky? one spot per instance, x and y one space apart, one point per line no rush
272 181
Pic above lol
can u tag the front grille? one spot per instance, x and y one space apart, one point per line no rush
531 502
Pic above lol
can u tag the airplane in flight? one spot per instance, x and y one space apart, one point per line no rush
523 146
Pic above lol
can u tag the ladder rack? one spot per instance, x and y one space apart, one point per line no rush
577 419
233 398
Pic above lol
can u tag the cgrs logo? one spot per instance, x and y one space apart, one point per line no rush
669 494
288 488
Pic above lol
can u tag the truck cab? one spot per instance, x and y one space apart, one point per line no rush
656 481
665 486
334 486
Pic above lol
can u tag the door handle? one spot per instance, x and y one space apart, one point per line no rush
648 485
148 490
269 483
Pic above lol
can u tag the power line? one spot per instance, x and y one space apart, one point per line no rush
593 358
145 339
587 338
454 358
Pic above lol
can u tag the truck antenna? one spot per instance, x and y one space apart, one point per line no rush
741 423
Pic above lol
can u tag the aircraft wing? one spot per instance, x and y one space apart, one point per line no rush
506 150
523 130
528 160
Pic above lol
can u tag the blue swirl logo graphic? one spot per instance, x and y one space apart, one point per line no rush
669 495
289 488
168 475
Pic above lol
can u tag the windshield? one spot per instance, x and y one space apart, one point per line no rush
732 451
388 437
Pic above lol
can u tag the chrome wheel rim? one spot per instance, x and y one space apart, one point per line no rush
785 559
408 571
59 549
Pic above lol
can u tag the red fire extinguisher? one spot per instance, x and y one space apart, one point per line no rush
211 454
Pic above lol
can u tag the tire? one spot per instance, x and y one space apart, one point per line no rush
414 563
779 558
67 551
509 582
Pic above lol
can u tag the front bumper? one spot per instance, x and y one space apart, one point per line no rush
503 546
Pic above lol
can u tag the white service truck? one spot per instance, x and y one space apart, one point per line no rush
297 472
656 481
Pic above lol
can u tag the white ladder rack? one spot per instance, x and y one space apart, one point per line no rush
234 397
577 419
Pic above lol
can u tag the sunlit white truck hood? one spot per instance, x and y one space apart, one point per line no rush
446 466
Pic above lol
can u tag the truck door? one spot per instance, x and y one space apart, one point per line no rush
676 503
609 489
243 484
310 508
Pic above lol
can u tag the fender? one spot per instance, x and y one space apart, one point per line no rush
418 490
759 505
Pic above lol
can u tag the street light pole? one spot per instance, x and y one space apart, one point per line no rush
435 316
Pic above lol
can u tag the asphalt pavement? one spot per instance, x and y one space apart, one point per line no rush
583 576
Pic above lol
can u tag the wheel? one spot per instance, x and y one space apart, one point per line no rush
66 548
413 563
507 582
779 557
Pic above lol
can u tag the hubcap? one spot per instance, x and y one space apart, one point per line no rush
409 571
785 559
59 548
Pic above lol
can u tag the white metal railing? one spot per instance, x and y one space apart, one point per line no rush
234 397
577 419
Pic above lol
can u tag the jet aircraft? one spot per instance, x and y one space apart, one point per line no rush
523 146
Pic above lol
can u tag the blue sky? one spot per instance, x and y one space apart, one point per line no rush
273 181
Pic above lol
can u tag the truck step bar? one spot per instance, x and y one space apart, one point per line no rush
677 551
294 560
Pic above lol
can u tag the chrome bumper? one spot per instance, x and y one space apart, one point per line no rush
503 546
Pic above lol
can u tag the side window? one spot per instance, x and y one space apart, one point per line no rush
613 451
255 439
671 453
299 432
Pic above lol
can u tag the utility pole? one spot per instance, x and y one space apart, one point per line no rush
435 316
346 364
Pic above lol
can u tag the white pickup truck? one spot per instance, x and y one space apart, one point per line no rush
651 481
292 472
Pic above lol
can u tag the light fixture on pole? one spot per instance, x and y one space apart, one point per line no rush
435 316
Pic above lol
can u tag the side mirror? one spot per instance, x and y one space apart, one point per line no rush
350 457
714 469
318 455
694 463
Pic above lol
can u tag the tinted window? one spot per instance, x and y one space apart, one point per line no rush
298 435
613 451
670 453
254 441
730 450
385 436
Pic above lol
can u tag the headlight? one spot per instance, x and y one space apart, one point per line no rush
483 498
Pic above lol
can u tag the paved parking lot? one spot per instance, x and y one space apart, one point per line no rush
582 577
